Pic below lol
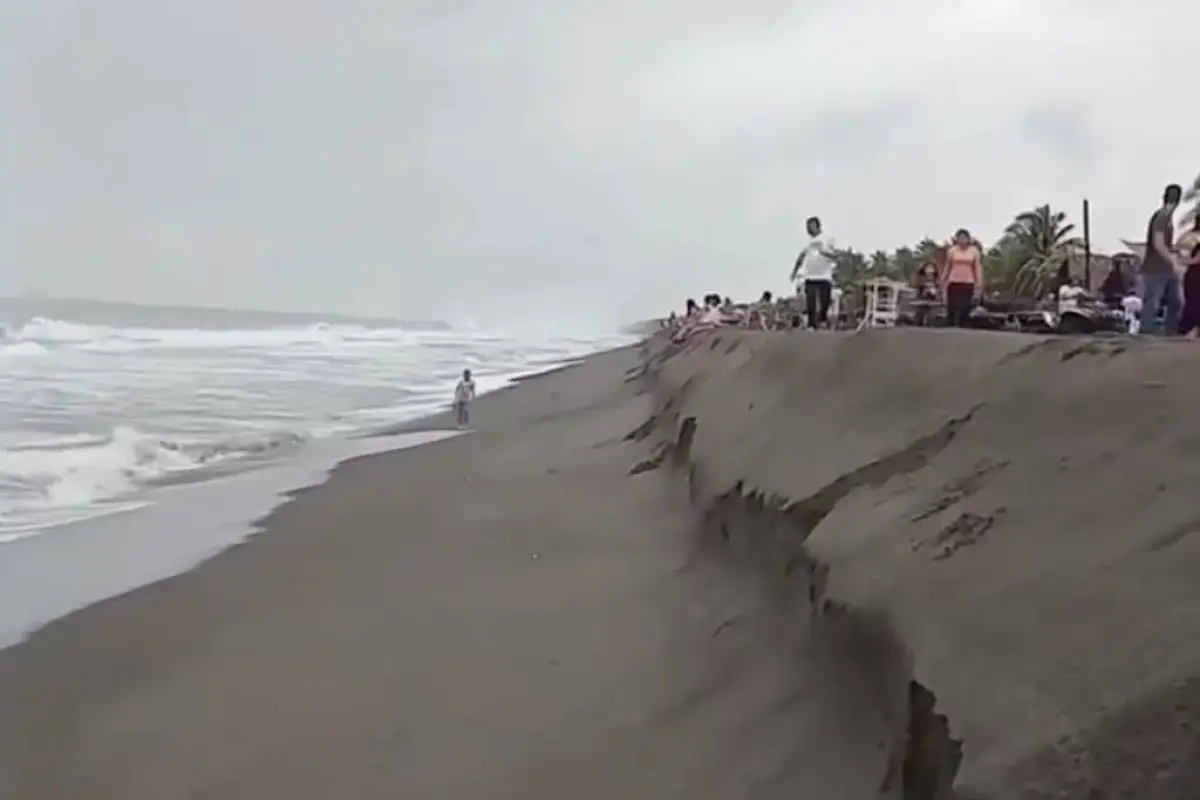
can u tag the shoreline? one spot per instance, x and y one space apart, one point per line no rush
50 574
72 566
113 635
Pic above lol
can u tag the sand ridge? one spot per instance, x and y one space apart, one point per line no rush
1017 509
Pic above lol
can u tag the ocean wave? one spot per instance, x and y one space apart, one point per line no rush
177 399
49 480
21 349
43 330
32 336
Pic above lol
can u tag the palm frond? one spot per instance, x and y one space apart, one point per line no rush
1062 233
1193 192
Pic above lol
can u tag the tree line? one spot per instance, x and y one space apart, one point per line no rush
1031 256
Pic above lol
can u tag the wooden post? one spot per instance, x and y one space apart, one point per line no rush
1087 245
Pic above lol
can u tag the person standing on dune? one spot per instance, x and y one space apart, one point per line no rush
1161 269
962 277
814 275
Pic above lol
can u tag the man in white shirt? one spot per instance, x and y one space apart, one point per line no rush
813 275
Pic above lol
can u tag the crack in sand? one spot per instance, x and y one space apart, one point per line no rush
959 490
771 529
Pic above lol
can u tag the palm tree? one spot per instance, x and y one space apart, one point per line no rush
1002 262
849 266
905 263
1046 240
879 263
930 252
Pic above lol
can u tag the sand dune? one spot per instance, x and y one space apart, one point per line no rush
1017 514
768 566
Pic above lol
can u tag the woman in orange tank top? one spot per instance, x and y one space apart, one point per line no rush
962 276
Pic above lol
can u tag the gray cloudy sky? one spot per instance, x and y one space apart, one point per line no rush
454 156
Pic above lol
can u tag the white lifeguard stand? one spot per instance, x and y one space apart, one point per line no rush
882 303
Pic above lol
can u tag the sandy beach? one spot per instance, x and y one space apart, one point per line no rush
767 566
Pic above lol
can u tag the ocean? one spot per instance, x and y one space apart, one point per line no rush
102 405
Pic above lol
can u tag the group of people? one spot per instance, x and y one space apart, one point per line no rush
1164 298
769 313
959 280
719 312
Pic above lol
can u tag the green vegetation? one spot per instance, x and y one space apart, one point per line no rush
1033 252
1191 199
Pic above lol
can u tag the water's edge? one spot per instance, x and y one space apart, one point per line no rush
46 577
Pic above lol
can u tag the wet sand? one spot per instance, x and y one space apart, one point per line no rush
839 557
51 574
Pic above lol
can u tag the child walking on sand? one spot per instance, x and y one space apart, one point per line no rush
464 393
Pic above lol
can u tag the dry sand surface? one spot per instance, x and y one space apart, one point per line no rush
767 566
1018 513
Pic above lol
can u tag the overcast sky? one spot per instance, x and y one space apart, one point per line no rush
451 157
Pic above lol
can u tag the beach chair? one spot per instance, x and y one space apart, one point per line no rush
882 301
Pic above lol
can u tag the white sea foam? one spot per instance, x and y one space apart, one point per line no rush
92 416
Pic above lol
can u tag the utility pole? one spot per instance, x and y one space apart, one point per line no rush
1087 245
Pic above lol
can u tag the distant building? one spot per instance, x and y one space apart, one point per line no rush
1102 264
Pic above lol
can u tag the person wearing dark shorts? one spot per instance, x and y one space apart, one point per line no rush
818 296
814 269
962 278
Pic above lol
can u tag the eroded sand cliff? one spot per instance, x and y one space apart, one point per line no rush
1000 529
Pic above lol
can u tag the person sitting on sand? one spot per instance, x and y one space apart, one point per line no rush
714 312
732 314
709 319
464 393
926 282
1114 288
763 314
1070 294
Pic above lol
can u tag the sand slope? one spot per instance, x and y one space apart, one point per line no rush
772 566
1020 513
392 635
